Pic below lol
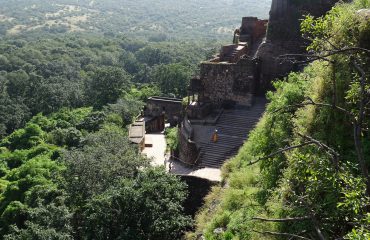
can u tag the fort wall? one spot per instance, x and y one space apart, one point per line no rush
229 82
170 107
188 152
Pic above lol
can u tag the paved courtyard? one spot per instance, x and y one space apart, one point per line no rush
159 158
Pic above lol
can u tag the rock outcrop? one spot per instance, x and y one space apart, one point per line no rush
284 36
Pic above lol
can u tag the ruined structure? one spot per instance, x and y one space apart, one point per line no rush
222 98
230 77
225 94
161 109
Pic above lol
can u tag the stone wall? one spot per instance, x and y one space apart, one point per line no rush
198 189
170 107
232 53
252 29
225 82
188 152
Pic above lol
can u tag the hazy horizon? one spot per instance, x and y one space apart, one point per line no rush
175 18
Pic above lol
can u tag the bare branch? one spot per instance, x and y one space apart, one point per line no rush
281 151
282 234
282 219
324 57
317 228
311 102
334 154
330 105
357 126
310 58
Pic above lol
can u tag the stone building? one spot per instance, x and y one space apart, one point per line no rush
227 82
158 110
252 30
224 96
232 76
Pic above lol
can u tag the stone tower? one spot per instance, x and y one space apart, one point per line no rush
278 8
284 36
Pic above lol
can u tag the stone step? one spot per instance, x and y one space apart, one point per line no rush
240 133
213 160
224 140
234 126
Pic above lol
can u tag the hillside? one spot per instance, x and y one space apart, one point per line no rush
148 19
303 172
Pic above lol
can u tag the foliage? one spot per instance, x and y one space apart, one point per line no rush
172 79
49 191
172 138
107 85
105 158
151 217
47 74
143 92
48 219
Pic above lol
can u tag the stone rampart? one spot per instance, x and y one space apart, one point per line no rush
225 82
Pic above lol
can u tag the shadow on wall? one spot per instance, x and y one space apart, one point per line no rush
198 189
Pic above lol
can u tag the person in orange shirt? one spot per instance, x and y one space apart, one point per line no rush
215 136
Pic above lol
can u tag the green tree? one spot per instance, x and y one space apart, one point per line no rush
47 217
153 200
105 158
107 85
172 79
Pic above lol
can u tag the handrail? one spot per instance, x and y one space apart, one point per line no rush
199 156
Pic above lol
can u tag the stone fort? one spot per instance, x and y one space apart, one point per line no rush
227 95
222 98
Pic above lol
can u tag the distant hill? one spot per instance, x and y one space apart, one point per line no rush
155 20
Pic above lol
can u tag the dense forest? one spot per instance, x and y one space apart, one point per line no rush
303 173
46 74
67 169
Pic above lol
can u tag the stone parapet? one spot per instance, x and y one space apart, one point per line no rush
228 82
188 152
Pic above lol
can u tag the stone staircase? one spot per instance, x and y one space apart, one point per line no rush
231 56
233 127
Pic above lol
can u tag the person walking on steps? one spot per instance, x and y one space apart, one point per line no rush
215 136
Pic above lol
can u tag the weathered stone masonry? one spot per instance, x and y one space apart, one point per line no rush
223 82
188 152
